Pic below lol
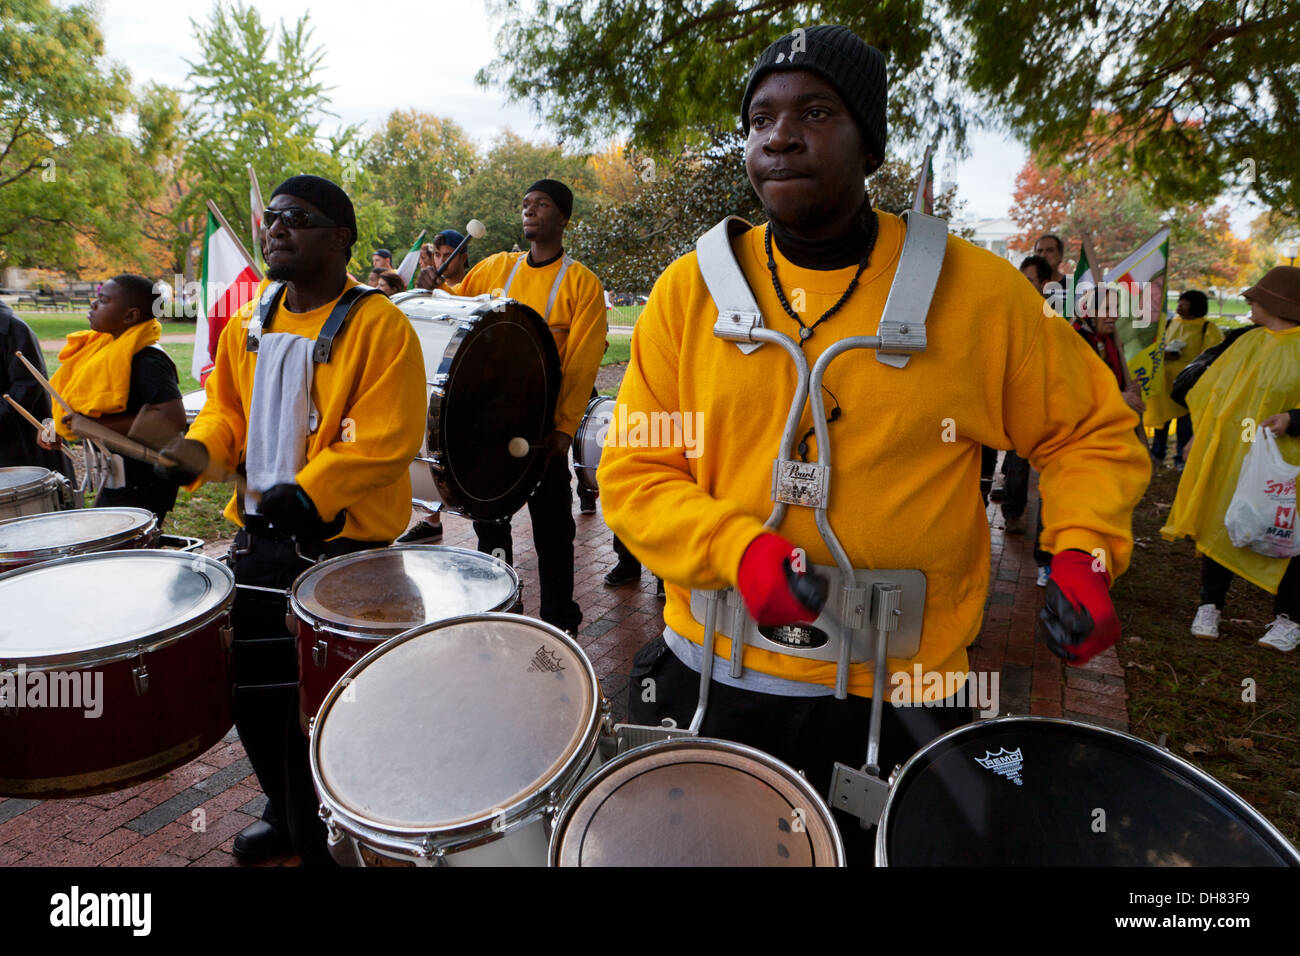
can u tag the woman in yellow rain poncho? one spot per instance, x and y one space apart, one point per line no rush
1189 334
1255 381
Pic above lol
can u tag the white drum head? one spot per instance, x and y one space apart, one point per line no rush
696 802
23 477
455 725
193 403
60 530
391 590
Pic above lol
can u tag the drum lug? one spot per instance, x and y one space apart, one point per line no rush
8 679
320 652
140 678
291 623
430 852
227 634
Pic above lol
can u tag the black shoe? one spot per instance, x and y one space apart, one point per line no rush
260 841
423 531
623 574
586 506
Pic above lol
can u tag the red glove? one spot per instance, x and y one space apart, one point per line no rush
1078 621
765 585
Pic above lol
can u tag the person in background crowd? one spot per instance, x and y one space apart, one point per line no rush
1051 250
117 373
1037 270
390 283
376 276
814 120
381 259
569 297
1258 379
1188 335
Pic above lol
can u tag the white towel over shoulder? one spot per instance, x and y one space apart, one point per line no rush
281 414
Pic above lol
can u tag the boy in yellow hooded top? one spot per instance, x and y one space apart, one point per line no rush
115 370
999 370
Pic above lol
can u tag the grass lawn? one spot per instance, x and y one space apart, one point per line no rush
57 325
198 514
620 350
1192 689
624 314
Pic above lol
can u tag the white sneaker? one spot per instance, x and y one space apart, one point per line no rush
1206 622
1283 635
1044 575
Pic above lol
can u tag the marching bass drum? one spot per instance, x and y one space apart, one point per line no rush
1026 791
589 441
493 372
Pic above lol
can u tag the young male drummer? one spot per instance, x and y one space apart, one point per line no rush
570 298
325 476
904 487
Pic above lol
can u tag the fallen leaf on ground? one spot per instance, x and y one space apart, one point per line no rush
1240 743
1194 749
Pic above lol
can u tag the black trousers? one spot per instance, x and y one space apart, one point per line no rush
625 556
265 664
551 508
1160 442
988 461
158 498
1015 493
808 733
1216 579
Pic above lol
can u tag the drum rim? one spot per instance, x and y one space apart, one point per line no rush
421 842
690 742
134 646
17 491
104 543
1197 775
320 623
587 473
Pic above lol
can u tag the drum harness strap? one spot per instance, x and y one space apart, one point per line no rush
565 262
260 323
856 624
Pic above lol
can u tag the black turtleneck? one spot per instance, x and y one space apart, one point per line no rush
543 265
826 255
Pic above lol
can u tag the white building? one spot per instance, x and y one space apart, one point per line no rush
996 235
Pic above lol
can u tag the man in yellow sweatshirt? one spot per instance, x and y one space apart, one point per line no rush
998 370
569 297
349 438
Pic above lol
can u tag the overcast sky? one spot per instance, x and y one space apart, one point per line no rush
423 54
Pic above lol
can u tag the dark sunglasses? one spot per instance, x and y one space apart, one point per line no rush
295 217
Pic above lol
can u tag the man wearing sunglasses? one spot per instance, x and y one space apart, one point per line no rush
325 439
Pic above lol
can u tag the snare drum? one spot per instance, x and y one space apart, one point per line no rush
113 669
695 801
494 374
590 441
343 608
193 402
58 534
454 743
1038 791
28 490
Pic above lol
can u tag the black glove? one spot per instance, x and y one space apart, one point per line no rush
290 511
191 459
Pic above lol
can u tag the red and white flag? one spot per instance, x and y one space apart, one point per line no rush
230 279
258 209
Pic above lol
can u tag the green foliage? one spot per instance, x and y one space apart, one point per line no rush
667 69
67 172
629 244
1204 94
256 98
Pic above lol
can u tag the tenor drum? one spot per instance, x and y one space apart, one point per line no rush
1037 791
44 537
193 402
28 490
454 743
695 801
113 669
494 375
590 440
345 607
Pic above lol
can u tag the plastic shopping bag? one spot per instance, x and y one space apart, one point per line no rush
1262 514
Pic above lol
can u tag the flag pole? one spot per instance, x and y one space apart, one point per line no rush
212 208
918 201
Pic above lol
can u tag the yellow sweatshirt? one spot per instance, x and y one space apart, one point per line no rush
94 374
999 370
1197 335
577 320
1254 378
371 400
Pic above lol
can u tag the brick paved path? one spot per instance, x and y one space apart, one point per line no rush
158 823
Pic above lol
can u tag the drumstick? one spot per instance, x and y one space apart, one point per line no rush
45 383
88 428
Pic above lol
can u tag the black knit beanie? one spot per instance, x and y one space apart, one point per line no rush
560 193
325 196
837 55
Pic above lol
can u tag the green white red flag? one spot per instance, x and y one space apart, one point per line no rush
409 262
229 279
1141 323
